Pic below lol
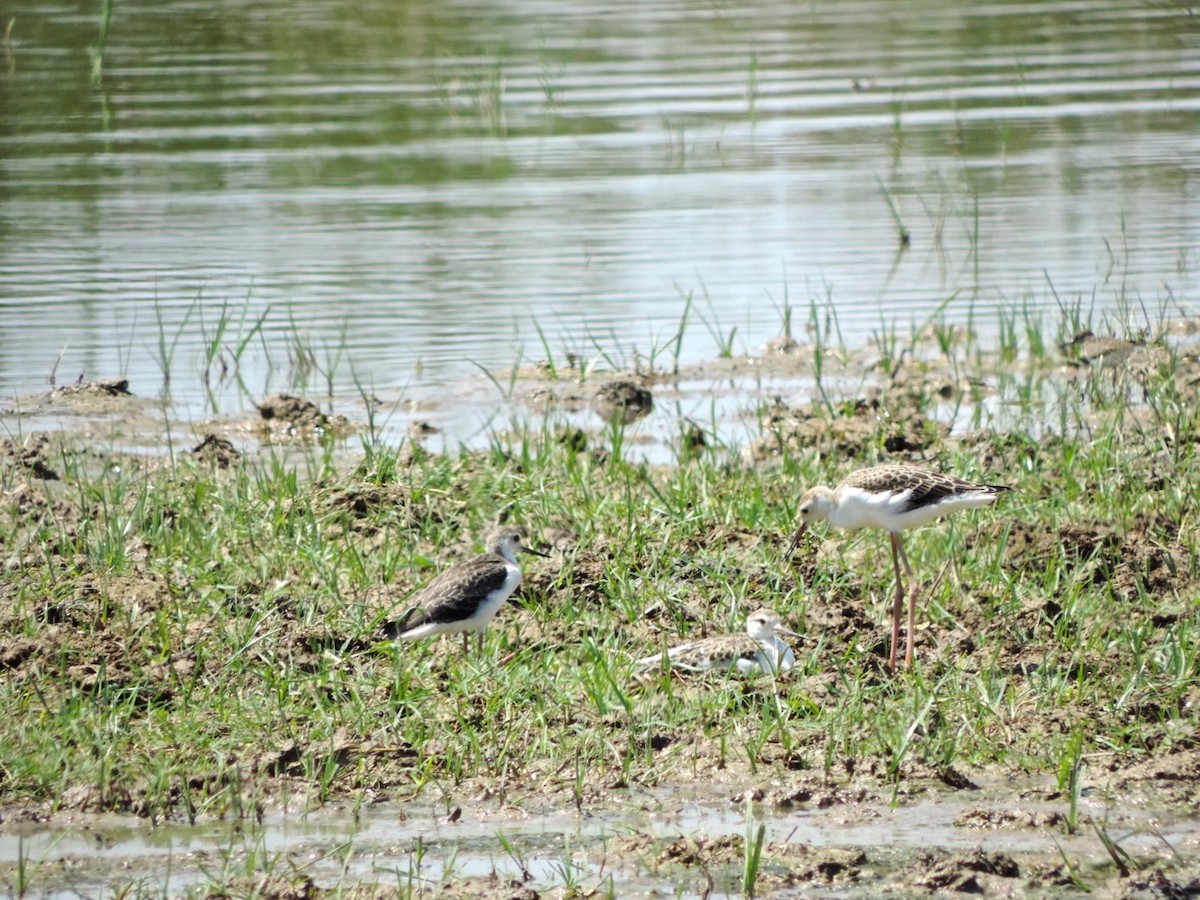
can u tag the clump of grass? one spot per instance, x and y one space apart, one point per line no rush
223 358
723 340
752 860
96 53
903 236
168 340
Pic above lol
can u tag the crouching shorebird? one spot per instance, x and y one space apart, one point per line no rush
759 648
893 498
467 596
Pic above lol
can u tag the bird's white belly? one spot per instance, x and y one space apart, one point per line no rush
776 657
860 509
479 618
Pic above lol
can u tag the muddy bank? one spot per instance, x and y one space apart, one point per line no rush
683 842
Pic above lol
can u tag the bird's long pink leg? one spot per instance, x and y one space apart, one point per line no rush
897 551
912 604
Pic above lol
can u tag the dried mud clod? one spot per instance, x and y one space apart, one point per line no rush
831 865
377 510
555 396
989 818
25 508
1156 885
16 651
289 416
786 863
686 851
1171 776
786 345
623 400
574 439
1008 452
962 872
30 456
914 386
843 620
101 387
270 887
812 792
413 450
492 886
217 451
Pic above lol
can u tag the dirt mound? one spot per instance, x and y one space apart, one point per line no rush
786 345
985 817
1147 557
976 872
848 431
101 387
287 416
1170 776
376 510
622 401
1156 885
31 456
217 451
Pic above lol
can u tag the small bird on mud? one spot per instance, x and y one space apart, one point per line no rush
467 596
892 497
758 649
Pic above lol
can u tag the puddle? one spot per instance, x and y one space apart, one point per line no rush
408 846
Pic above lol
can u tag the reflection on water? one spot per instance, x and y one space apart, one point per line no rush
384 196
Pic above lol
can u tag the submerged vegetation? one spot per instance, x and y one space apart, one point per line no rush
195 636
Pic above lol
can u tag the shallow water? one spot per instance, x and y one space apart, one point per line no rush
414 844
405 194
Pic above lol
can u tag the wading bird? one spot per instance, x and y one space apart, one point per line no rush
893 498
467 596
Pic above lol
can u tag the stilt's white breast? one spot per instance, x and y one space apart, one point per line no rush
857 507
467 599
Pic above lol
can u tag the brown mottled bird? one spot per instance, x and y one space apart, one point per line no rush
757 649
467 596
892 497
1104 351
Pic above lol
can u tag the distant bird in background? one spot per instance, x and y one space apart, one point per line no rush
892 497
467 596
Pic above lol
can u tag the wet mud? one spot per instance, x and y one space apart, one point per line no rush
690 842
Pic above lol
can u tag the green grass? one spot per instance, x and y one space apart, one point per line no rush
201 643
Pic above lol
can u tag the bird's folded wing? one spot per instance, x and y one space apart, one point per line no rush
452 596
